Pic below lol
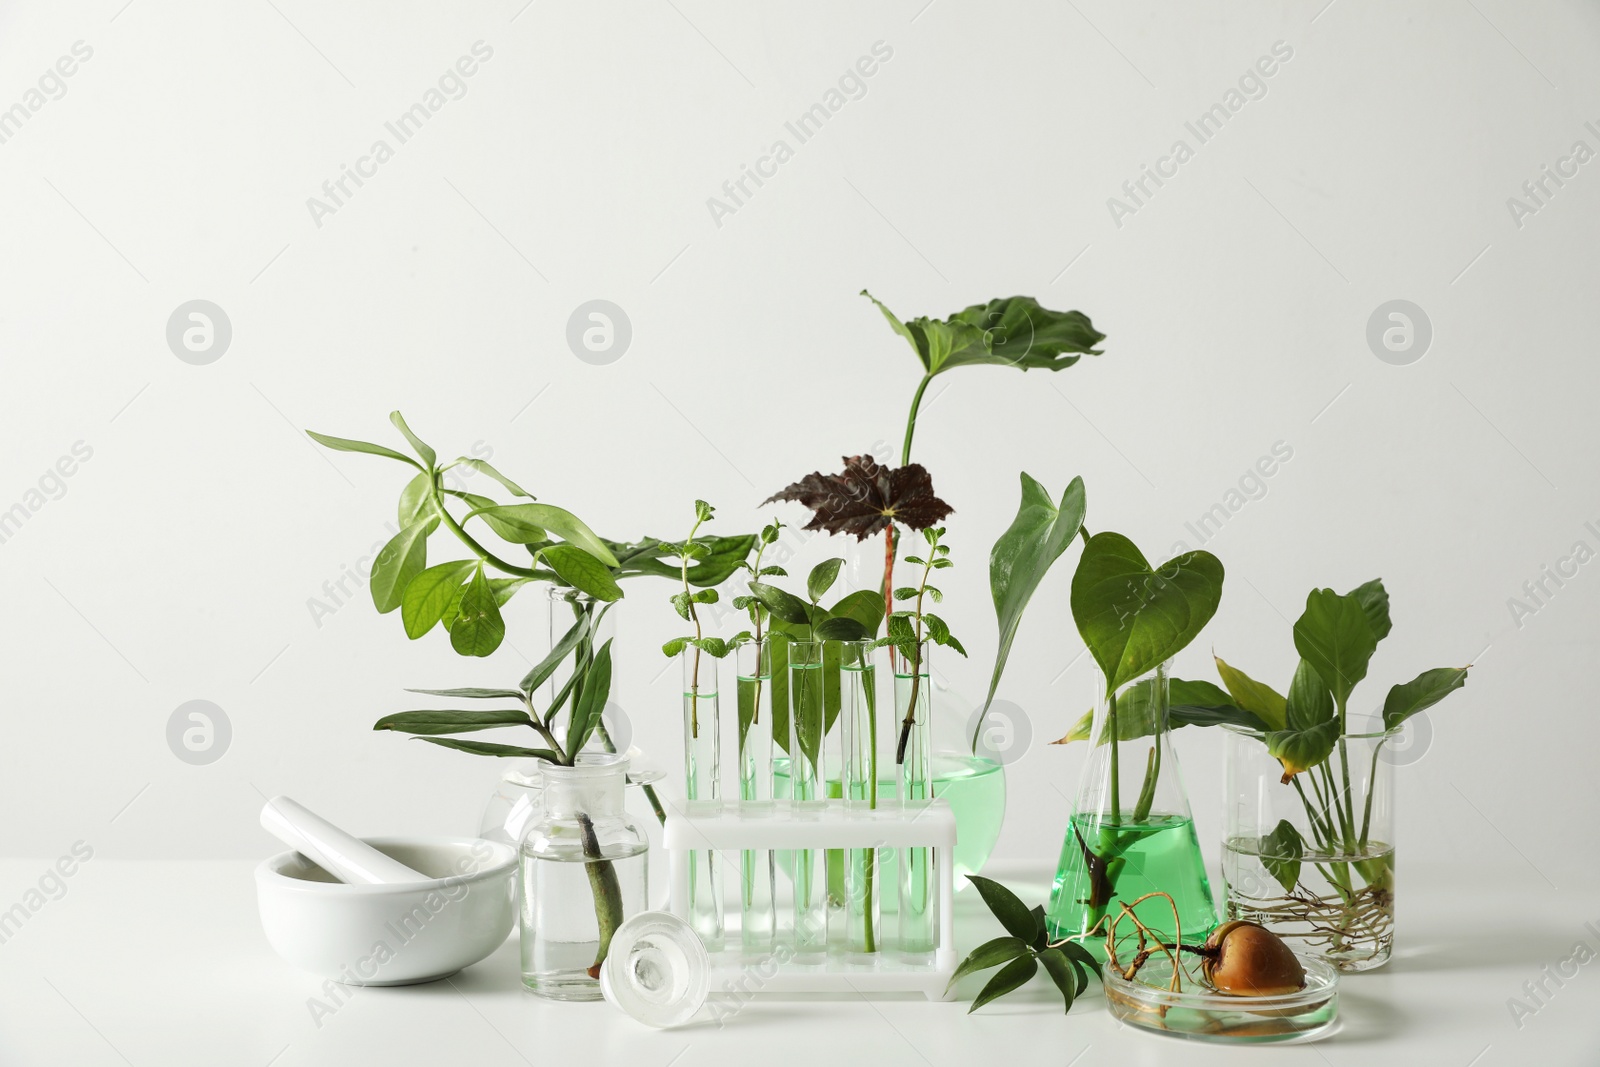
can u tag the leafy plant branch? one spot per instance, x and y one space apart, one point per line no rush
910 629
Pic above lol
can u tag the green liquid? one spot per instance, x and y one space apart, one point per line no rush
975 788
1159 854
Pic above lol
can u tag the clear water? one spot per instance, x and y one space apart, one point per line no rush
702 781
560 934
1159 854
1341 906
757 868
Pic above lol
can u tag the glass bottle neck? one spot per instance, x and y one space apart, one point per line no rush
593 789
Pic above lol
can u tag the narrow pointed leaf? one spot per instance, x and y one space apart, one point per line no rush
1262 701
471 693
583 572
429 458
485 748
989 954
483 466
822 577
563 648
1421 693
1012 976
1012 912
452 722
591 702
400 561
345 444
1060 972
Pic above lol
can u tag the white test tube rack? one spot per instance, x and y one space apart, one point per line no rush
731 827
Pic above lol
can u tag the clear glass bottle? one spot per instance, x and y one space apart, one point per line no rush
859 775
584 870
913 727
1312 859
808 785
757 868
702 777
1131 831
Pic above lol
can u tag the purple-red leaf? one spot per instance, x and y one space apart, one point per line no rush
867 497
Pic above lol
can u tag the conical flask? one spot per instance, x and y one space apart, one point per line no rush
1131 831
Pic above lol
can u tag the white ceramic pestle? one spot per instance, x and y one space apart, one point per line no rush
342 855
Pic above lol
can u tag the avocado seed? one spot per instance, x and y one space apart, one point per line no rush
1244 959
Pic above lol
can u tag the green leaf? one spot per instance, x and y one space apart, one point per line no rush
479 627
784 606
402 559
1280 853
483 466
865 606
486 748
680 603
822 577
1189 704
906 592
1011 911
591 702
582 571
1080 955
723 557
430 593
1309 703
1061 973
1422 692
1374 600
1012 976
1134 618
1041 933
989 954
839 630
472 693
429 457
715 647
452 722
672 648
344 444
1334 636
563 648
415 500
547 518
1301 750
1014 331
1262 701
705 596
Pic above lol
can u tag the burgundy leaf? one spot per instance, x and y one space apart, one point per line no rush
866 497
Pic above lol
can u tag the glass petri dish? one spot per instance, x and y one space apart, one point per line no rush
1201 1014
656 970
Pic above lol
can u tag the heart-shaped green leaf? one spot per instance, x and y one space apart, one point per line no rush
1134 618
1019 561
1334 636
1422 692
1374 600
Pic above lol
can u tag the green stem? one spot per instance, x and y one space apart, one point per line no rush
1147 792
911 419
1116 771
606 888
1372 783
470 541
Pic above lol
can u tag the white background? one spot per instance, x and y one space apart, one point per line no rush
181 559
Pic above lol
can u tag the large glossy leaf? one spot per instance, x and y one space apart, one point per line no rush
1374 600
1013 975
1189 704
582 571
1309 702
1301 750
430 593
1280 853
785 607
591 702
451 722
429 457
345 444
401 560
1132 617
1334 636
478 628
486 748
1019 561
1012 331
1421 693
1259 699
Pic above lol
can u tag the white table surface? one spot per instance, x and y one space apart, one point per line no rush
162 963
